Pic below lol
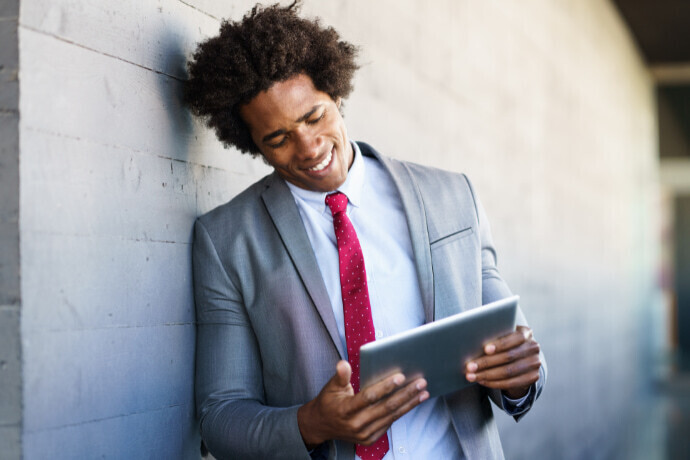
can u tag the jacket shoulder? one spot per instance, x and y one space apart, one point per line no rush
243 207
447 197
426 177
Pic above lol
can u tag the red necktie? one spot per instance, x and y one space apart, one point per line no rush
359 327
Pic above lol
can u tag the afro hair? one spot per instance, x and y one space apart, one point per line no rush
270 44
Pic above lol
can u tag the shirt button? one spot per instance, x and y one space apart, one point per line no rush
402 450
379 334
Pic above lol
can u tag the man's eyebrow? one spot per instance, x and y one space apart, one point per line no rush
279 132
270 136
309 114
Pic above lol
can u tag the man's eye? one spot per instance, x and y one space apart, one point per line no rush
279 144
316 120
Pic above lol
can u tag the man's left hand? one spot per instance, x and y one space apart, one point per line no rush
510 363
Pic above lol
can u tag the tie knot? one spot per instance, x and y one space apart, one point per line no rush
337 202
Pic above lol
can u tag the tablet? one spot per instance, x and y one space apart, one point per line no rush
438 351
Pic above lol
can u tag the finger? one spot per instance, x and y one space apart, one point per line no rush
488 361
398 403
379 426
524 380
391 404
374 437
410 404
520 335
379 417
507 371
376 391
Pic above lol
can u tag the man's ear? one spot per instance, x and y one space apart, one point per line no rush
338 101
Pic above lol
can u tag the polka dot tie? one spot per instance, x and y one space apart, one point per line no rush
359 327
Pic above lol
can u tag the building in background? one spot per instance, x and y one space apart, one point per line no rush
661 32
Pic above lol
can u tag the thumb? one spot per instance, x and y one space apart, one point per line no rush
343 371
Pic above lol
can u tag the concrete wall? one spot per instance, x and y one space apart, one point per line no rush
113 172
546 105
10 297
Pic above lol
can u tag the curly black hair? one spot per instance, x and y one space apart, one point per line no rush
270 44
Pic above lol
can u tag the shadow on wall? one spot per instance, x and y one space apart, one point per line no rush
179 120
179 129
182 133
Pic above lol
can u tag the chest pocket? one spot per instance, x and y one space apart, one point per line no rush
447 239
456 263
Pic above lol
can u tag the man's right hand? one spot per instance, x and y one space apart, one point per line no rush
338 413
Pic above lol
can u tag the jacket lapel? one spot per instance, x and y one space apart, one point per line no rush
285 215
416 222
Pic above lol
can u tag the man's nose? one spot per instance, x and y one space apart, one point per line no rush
310 144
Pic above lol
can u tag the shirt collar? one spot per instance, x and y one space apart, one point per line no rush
352 187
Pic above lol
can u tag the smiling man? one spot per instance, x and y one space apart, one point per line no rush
339 246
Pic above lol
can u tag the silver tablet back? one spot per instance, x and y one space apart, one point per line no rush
438 351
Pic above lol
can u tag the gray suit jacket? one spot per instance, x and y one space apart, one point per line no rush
267 340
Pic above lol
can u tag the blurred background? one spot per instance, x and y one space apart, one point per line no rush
572 118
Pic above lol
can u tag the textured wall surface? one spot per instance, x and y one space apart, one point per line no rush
113 173
10 295
546 105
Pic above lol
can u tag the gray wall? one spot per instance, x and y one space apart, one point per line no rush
546 105
10 298
112 177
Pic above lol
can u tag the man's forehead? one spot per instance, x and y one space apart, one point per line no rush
292 100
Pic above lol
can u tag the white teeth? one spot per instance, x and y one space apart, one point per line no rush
324 163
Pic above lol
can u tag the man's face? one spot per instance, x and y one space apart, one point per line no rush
300 132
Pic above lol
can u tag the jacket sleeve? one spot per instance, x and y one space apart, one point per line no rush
234 420
495 288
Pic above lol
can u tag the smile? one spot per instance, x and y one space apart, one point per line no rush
326 161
